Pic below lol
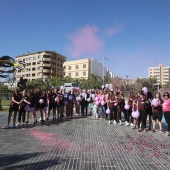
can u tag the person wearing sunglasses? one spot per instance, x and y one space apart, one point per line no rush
166 110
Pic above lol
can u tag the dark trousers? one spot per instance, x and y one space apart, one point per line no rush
105 106
115 113
84 106
167 118
142 117
111 112
128 114
69 109
21 114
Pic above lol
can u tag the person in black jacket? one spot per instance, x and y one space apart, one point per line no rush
84 102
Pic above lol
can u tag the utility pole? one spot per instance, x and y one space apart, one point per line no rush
103 67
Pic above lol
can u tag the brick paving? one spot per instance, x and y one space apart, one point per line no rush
82 144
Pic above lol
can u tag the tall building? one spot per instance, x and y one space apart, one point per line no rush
161 73
41 65
82 68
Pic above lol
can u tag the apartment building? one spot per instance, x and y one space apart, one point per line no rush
41 65
161 73
82 68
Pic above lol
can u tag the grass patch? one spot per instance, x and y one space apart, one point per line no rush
5 109
5 102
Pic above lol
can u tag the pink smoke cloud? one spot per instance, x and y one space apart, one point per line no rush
84 42
112 31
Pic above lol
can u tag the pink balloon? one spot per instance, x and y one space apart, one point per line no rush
102 102
154 102
108 111
96 98
70 97
79 99
27 108
88 99
93 96
127 107
41 101
145 90
135 114
97 103
107 86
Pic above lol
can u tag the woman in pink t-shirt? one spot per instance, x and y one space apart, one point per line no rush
166 110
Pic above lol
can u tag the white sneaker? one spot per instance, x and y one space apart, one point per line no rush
114 121
120 123
168 134
18 124
7 126
110 122
131 124
127 124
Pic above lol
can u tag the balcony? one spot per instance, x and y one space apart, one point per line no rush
46 59
46 65
46 71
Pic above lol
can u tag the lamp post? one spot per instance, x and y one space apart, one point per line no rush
103 67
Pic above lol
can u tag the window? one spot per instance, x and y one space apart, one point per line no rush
84 65
33 69
84 73
39 56
34 63
77 67
34 58
69 74
69 68
33 75
77 74
39 68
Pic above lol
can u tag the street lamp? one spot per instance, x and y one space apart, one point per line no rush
103 67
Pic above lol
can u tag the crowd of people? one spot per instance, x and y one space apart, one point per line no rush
99 103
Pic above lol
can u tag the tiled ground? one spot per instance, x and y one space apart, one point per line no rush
82 144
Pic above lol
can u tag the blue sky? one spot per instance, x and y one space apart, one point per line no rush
133 34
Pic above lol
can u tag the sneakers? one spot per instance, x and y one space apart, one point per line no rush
110 122
139 130
145 130
120 123
7 126
18 124
114 122
131 124
133 127
153 130
127 124
162 131
168 134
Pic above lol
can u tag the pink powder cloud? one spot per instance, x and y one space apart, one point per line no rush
112 31
85 42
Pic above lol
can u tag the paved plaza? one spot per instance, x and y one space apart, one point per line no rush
81 143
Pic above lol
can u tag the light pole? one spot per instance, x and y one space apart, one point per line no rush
103 67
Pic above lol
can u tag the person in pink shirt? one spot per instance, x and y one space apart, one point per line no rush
166 110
